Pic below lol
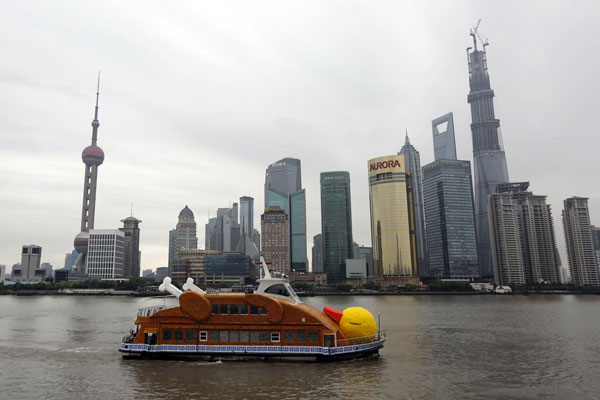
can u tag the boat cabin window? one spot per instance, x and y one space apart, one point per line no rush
234 309
328 340
190 336
264 337
275 337
167 334
213 336
263 311
223 309
233 336
254 310
254 336
244 309
223 336
215 309
203 336
178 335
289 336
313 337
243 336
301 336
277 289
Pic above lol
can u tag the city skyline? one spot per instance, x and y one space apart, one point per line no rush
177 142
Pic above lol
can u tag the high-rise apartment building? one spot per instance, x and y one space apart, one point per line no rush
317 254
336 223
580 244
489 158
444 143
29 270
131 261
522 232
186 237
275 227
450 219
596 238
412 161
106 252
392 218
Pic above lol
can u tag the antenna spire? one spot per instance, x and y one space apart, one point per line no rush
95 123
406 141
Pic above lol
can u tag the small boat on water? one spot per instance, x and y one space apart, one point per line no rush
270 324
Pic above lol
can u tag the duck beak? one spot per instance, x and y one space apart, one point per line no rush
335 315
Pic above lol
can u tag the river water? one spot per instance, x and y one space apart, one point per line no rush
439 347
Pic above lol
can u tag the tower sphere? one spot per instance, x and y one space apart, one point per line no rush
92 155
81 242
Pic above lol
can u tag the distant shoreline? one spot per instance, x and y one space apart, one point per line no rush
403 293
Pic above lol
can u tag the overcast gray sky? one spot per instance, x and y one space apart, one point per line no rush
197 98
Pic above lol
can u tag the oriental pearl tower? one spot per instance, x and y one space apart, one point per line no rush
92 157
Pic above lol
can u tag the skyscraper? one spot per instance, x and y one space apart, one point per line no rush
285 174
106 253
275 227
392 217
186 230
172 250
317 254
413 167
450 219
522 233
580 245
208 228
336 223
596 238
93 157
444 143
283 188
247 245
131 261
488 151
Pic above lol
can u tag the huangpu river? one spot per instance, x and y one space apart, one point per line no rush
439 347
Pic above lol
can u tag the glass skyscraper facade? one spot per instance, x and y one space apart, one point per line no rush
336 222
392 217
449 218
286 175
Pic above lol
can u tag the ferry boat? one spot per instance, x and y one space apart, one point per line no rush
270 324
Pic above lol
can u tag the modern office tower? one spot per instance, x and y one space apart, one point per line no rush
450 219
444 143
226 234
317 254
256 238
275 227
106 252
283 188
522 232
172 249
366 253
488 151
596 239
580 244
131 262
247 245
294 205
2 273
285 175
412 161
161 274
93 157
208 229
336 223
186 230
29 270
47 267
392 217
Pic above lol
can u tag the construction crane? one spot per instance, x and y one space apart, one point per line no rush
482 39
